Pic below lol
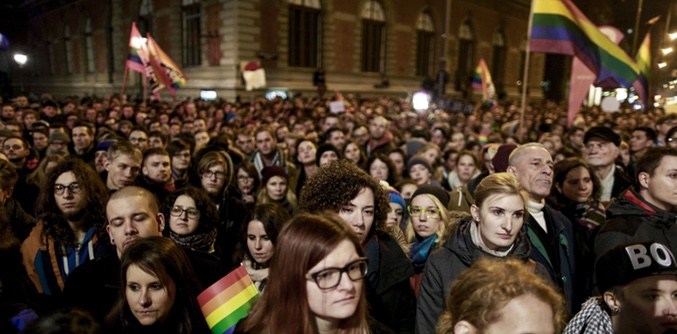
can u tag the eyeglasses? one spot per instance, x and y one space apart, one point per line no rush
177 211
244 178
330 278
74 188
432 213
210 174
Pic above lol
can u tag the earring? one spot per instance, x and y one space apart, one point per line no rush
112 242
616 310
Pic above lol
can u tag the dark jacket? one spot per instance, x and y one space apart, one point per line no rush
555 251
391 300
621 183
631 219
22 223
457 254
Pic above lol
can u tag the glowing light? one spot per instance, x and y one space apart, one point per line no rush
20 59
662 65
421 101
667 50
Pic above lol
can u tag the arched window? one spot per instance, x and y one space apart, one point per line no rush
192 55
89 46
425 49
373 37
466 52
145 21
67 49
305 37
499 57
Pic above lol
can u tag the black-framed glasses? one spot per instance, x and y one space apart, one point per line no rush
177 211
330 278
432 213
74 188
209 174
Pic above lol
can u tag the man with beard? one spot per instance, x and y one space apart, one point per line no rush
133 213
156 173
70 230
550 232
123 166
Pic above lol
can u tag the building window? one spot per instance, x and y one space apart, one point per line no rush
192 55
466 53
499 57
89 46
145 22
50 56
67 49
373 37
425 45
304 33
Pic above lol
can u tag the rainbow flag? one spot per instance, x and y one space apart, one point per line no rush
172 72
136 60
560 27
227 301
643 59
481 80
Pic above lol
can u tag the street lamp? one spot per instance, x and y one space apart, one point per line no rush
21 60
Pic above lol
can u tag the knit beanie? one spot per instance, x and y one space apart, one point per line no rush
58 135
271 171
438 192
324 148
419 161
394 196
500 159
413 146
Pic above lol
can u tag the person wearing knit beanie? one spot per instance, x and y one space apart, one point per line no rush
327 153
441 194
420 170
397 207
500 159
271 171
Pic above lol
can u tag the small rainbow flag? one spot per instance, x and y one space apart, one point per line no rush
481 80
227 301
172 73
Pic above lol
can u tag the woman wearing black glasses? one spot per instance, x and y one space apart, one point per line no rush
316 281
494 230
191 216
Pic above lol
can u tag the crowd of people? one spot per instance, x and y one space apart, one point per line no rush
116 214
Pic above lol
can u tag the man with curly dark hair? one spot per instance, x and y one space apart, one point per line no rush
71 228
342 187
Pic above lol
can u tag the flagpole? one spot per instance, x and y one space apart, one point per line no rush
145 89
124 81
527 59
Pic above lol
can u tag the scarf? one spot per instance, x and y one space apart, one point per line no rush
590 214
591 319
420 250
202 242
278 160
259 276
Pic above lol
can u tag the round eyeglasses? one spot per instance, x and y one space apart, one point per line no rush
74 188
177 211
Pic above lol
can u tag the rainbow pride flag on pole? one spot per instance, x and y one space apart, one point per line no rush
481 81
172 72
227 301
560 27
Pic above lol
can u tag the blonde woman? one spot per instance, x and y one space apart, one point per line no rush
275 189
428 220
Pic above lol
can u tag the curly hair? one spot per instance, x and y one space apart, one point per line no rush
95 197
209 215
335 185
479 294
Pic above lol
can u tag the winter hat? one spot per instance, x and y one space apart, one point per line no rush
604 133
324 148
394 196
271 171
419 161
105 145
413 146
624 264
438 192
58 135
500 159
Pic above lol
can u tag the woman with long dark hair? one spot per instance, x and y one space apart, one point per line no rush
158 291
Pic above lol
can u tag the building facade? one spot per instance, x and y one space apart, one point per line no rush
80 46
